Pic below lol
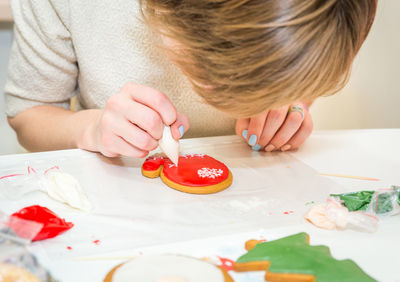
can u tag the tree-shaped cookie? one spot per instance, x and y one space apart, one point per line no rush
293 259
195 173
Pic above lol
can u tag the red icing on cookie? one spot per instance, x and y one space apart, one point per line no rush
226 263
193 170
153 163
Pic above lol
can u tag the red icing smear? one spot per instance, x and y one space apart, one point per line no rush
11 175
226 264
54 167
193 170
52 224
69 248
97 242
31 169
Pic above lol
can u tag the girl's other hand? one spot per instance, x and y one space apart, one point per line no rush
284 129
132 123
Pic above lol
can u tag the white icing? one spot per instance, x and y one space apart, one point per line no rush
169 145
151 268
187 156
206 172
330 215
64 188
171 279
337 213
317 216
333 215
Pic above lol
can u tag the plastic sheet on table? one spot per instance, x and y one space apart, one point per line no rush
16 263
131 211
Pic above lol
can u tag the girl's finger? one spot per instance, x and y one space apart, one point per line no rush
144 117
134 135
302 134
292 123
117 146
241 128
179 127
255 129
275 119
152 98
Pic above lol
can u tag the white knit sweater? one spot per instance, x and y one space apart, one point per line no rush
91 49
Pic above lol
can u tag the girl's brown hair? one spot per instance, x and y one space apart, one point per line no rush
246 56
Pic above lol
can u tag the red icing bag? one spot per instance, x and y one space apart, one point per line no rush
52 224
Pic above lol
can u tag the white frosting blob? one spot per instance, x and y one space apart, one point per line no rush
317 216
330 215
64 188
337 214
169 145
176 268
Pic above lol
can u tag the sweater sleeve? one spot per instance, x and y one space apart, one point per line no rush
42 66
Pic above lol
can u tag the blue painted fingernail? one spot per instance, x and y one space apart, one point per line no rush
253 140
244 134
181 130
256 147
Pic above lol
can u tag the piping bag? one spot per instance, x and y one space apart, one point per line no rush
169 145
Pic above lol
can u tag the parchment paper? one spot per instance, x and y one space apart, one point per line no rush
130 211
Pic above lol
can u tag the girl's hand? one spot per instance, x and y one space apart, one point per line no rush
133 121
282 129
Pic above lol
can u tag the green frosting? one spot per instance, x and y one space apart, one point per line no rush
360 201
356 201
397 189
294 255
384 203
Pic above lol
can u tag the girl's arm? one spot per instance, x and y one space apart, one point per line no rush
44 128
131 124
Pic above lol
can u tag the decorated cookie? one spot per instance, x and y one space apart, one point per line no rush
167 268
195 173
293 259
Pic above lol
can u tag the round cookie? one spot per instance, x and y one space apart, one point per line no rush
167 268
12 273
195 173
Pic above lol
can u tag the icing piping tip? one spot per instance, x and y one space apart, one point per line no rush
169 145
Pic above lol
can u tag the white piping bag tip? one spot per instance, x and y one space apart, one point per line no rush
169 145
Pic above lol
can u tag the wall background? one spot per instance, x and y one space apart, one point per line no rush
370 100
372 97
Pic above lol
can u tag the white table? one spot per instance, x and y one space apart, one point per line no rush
371 153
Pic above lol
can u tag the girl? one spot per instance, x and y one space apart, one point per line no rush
135 67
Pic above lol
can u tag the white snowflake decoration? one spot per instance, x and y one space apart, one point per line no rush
207 172
187 156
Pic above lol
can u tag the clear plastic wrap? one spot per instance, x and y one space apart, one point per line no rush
379 202
356 210
385 202
16 262
332 215
57 184
363 222
18 183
